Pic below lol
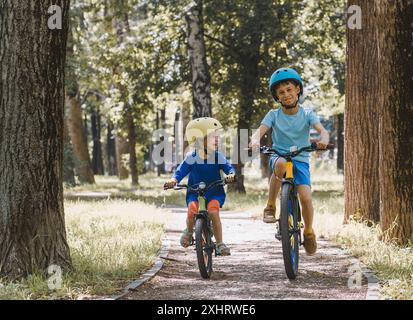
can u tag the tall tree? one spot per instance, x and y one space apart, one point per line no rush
32 75
201 79
361 163
75 119
395 100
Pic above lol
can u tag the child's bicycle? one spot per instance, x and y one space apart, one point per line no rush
204 244
289 225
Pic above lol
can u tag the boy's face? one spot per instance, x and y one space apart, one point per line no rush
287 93
211 142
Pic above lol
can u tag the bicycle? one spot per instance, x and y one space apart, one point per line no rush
204 245
289 224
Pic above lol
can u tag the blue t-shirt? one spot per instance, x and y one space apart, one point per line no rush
291 130
204 170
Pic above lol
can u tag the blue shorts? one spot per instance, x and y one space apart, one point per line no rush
301 171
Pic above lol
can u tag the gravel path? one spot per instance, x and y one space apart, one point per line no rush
255 269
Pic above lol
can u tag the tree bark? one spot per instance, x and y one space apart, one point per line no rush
132 145
340 142
361 165
77 132
32 76
68 160
83 167
395 100
111 149
97 159
201 78
122 148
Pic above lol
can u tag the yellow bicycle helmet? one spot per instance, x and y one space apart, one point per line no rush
200 128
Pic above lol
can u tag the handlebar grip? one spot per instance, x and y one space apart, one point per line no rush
331 146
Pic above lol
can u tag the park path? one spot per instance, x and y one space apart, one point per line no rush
254 270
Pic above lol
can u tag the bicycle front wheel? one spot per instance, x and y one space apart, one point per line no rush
289 230
204 247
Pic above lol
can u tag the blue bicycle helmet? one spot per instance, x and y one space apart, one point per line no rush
284 74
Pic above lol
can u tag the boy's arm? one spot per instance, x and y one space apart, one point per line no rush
325 137
181 171
229 171
256 137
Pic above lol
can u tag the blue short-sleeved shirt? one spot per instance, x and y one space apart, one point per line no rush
291 130
205 170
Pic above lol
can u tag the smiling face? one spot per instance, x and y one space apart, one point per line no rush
287 93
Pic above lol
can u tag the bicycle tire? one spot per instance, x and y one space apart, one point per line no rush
203 244
289 228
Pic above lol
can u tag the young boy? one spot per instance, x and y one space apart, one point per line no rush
291 127
204 164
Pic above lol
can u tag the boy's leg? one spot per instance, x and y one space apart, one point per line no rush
187 233
310 240
275 184
192 211
213 211
304 192
303 181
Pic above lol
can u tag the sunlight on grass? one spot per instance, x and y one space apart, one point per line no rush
111 243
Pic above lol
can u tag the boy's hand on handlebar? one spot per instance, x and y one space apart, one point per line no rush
230 178
254 145
321 145
170 184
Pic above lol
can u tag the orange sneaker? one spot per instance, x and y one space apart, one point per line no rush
269 214
310 243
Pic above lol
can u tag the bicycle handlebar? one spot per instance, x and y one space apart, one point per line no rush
197 189
292 154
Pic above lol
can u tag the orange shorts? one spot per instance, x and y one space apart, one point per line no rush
212 207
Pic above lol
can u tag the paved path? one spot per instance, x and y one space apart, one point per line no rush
255 270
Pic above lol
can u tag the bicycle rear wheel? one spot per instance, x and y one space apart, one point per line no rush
290 231
204 247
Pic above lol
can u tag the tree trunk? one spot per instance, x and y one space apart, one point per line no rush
395 100
340 142
361 164
111 149
122 148
161 167
201 79
132 145
75 121
97 159
68 157
32 76
80 148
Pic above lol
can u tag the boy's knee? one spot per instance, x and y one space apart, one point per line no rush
213 207
279 166
192 209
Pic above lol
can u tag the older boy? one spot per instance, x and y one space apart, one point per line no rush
291 127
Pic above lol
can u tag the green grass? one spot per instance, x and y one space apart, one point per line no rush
111 243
